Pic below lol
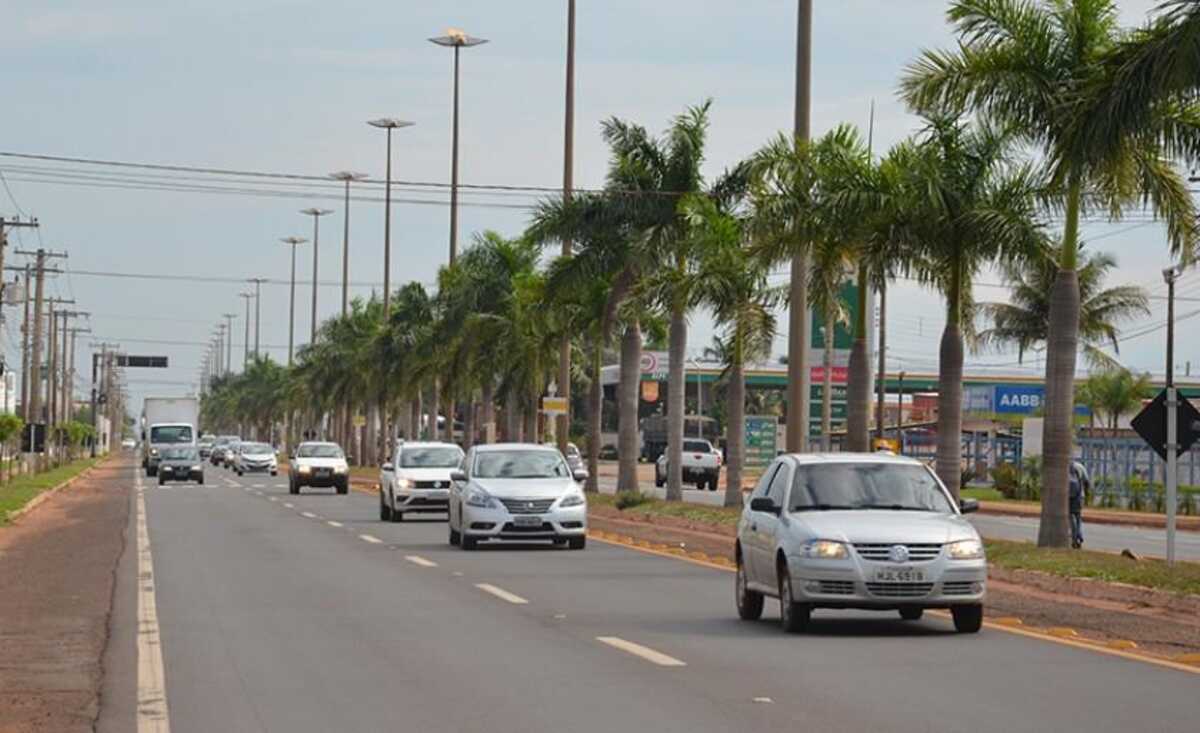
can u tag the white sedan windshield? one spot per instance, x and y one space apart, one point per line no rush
867 486
521 464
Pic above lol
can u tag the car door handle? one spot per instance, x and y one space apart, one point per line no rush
753 527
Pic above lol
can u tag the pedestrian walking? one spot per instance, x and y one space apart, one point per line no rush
1079 485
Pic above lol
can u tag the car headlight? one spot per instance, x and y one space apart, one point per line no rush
480 498
304 469
965 550
572 499
154 451
197 468
341 469
825 550
404 483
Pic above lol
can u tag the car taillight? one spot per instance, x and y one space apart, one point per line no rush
718 459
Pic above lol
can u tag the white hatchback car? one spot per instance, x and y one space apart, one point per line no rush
517 491
854 530
417 479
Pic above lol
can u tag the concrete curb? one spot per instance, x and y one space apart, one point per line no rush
36 501
1101 516
1099 589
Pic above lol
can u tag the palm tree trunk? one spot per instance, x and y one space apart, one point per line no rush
1061 347
595 405
735 430
512 417
488 413
798 390
675 403
531 418
469 422
435 407
827 385
627 407
858 388
414 417
369 448
882 386
949 434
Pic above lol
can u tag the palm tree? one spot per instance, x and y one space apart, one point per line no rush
1025 320
830 260
1112 393
968 207
743 305
1046 69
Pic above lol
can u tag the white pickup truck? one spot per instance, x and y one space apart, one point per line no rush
701 465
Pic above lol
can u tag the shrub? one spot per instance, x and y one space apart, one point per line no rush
1007 478
630 499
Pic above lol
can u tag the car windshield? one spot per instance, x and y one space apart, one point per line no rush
697 446
318 450
520 464
171 434
867 486
180 454
256 448
433 457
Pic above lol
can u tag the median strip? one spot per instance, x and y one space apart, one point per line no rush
501 593
645 652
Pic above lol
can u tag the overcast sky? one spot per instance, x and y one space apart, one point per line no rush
287 86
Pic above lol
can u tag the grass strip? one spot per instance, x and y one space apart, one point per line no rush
21 490
1104 566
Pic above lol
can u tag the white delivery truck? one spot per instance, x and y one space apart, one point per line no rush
167 422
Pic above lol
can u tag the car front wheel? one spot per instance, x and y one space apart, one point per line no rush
749 603
967 619
455 537
793 616
576 543
385 511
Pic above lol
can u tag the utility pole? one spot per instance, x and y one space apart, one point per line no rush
316 214
798 389
258 281
11 223
1171 274
35 363
246 342
293 242
71 374
563 427
25 331
229 341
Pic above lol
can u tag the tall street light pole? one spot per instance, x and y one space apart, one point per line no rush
258 281
798 323
316 215
457 40
389 124
564 348
293 242
1170 275
229 342
347 177
246 343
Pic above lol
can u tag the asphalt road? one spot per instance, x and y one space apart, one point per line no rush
318 617
1144 541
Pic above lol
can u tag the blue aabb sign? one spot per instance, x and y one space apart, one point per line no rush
1022 400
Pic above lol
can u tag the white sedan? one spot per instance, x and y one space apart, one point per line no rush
417 479
513 491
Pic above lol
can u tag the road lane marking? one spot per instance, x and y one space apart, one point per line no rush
332 523
645 652
289 505
501 593
370 538
258 486
418 560
271 498
310 515
763 700
152 713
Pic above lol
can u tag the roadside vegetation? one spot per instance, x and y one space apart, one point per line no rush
1031 124
22 489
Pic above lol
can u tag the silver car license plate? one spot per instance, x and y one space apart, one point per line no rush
899 575
527 521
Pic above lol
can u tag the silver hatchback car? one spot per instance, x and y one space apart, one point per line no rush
854 530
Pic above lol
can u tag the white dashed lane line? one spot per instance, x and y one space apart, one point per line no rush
418 560
310 515
332 523
370 538
289 505
644 652
501 593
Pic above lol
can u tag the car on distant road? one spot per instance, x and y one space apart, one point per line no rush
417 479
608 452
517 491
255 458
318 464
220 449
205 446
701 465
573 456
858 530
180 464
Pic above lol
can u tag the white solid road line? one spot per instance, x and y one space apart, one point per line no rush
418 560
152 713
370 538
310 515
644 652
501 593
332 523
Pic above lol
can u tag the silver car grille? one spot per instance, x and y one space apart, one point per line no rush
837 587
899 590
527 506
882 551
958 588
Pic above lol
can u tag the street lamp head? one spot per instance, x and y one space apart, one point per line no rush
455 37
1171 273
293 240
390 123
348 176
316 212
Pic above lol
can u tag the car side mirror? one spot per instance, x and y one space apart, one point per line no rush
763 504
966 506
580 475
387 468
457 475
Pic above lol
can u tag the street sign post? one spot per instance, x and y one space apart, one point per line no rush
554 405
1151 424
761 439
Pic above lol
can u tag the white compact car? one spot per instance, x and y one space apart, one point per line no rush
255 458
854 530
417 479
318 464
517 491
